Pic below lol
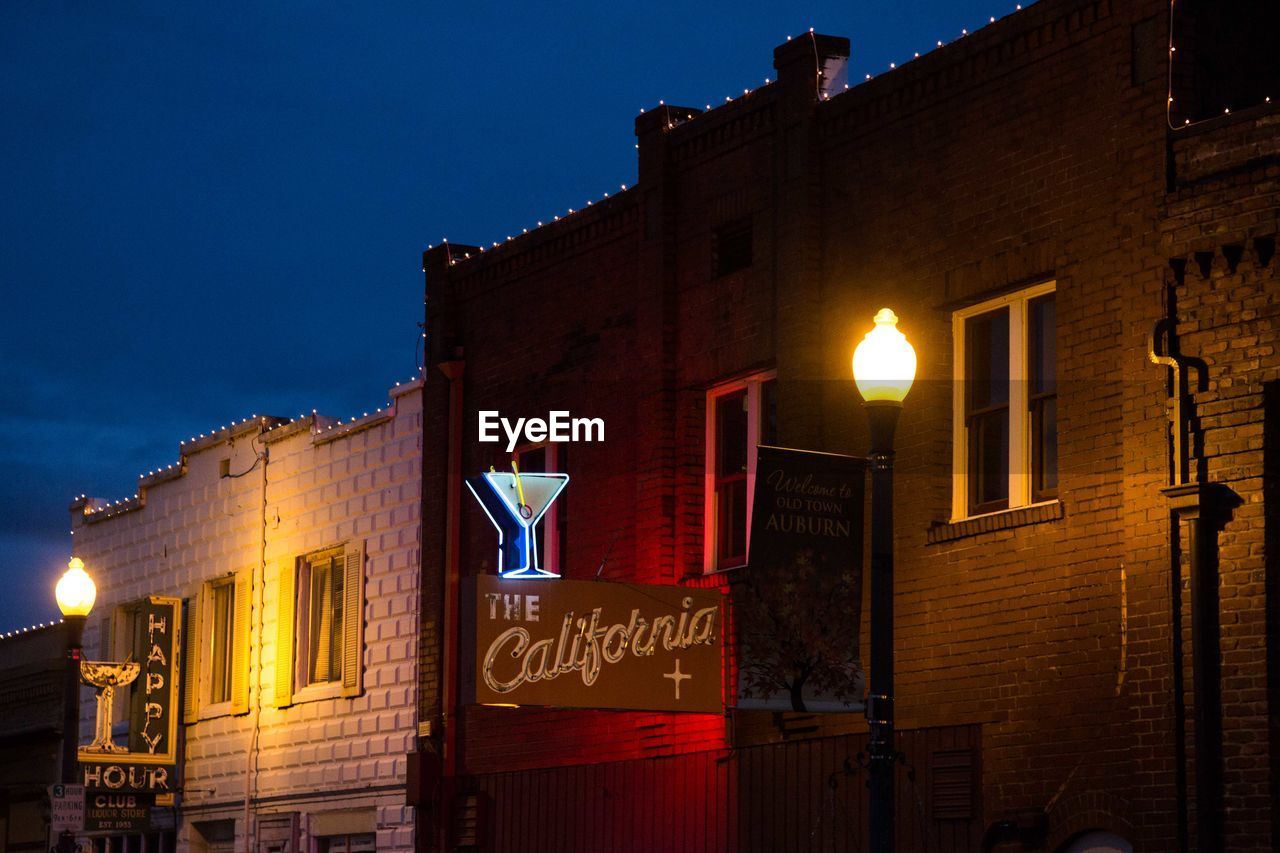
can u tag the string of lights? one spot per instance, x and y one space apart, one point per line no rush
332 430
729 99
1186 121
893 66
17 632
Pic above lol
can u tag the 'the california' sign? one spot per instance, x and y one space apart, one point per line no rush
595 644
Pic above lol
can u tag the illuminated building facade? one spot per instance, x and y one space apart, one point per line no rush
293 547
1086 584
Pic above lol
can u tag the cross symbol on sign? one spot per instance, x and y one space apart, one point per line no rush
677 676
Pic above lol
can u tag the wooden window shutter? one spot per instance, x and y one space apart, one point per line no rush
284 633
191 660
353 620
242 614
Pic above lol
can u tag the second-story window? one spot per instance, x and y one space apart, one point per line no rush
221 629
320 626
1006 412
216 664
322 601
740 415
732 249
544 459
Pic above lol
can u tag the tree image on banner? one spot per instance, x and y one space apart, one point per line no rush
793 627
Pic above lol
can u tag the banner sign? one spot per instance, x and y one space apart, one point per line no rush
810 503
149 763
593 644
798 602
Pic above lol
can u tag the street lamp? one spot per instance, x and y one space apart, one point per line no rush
884 366
75 594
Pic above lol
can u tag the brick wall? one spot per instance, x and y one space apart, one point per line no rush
1219 237
326 483
1037 149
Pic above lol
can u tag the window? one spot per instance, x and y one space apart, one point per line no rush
321 618
122 638
544 459
740 415
320 626
216 652
1006 405
347 843
221 622
732 249
213 836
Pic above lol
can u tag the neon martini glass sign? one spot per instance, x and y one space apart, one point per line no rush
515 503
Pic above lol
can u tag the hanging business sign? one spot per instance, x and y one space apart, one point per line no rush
515 503
151 676
798 602
593 644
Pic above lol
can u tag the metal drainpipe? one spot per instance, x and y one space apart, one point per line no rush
255 708
1206 507
450 717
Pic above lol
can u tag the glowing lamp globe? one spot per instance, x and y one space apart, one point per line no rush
884 364
75 591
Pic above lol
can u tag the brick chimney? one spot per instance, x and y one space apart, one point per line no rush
652 127
813 61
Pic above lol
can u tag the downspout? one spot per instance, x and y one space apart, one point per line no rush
1207 507
255 707
450 711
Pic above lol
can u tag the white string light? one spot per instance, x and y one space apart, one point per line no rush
893 66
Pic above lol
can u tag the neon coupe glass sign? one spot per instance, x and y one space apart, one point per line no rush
515 503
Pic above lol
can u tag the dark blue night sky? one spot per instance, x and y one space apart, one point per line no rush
210 210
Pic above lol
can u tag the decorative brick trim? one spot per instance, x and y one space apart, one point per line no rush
1009 518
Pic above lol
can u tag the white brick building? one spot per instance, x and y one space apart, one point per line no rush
299 708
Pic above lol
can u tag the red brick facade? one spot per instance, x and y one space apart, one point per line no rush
1038 149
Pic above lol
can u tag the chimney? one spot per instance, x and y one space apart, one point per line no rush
652 127
815 62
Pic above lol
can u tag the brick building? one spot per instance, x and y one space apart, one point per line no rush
32 690
1086 587
300 535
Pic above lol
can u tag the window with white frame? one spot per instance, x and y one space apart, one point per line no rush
544 459
1005 403
740 415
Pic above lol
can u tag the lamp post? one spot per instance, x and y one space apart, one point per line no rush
884 366
75 594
